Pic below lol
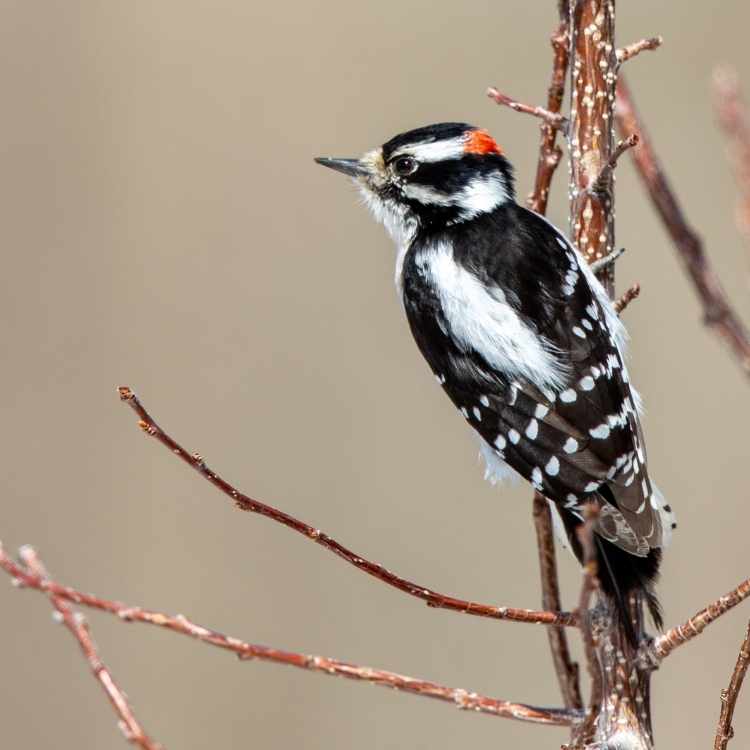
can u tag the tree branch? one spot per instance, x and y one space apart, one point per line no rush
603 180
549 158
718 313
724 731
632 50
589 587
553 119
593 70
77 625
462 699
627 297
243 502
549 152
565 667
674 637
733 119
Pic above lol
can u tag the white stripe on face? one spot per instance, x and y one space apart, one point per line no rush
431 151
482 194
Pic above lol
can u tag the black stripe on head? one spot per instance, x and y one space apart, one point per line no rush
429 134
452 175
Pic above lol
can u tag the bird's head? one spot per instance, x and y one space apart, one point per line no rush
434 176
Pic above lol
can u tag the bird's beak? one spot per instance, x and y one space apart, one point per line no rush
351 167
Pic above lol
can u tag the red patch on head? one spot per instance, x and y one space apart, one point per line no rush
480 142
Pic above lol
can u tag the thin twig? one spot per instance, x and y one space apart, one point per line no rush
627 297
735 121
599 265
553 119
724 731
565 667
589 586
718 313
602 181
243 502
674 637
550 153
179 624
76 624
631 50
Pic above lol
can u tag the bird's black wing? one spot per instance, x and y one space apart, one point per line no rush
573 440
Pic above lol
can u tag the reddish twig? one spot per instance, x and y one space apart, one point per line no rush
549 158
724 731
553 119
627 297
589 586
674 637
565 667
74 621
243 502
733 118
631 50
549 152
463 699
719 314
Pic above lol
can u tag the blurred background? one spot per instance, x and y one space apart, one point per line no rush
164 227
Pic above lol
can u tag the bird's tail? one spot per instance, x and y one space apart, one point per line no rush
628 582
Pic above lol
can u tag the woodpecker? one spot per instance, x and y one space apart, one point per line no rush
523 339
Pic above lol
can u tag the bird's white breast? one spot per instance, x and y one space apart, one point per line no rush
480 318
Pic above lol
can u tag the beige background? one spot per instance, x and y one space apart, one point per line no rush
164 226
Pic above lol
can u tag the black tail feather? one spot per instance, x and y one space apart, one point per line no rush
623 575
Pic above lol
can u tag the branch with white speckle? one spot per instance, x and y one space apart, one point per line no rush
631 50
32 576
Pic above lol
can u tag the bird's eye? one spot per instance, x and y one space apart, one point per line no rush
405 165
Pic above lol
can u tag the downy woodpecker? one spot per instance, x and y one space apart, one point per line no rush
522 338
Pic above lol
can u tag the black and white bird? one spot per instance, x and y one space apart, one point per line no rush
522 338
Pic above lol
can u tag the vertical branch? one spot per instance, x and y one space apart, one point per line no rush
549 152
619 714
734 121
565 667
549 158
724 731
593 74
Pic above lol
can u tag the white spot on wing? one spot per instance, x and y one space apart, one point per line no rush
600 433
586 383
553 466
541 411
571 445
532 429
